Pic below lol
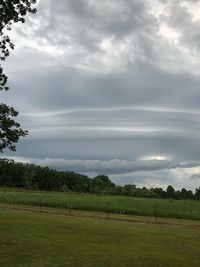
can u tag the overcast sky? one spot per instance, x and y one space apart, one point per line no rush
110 87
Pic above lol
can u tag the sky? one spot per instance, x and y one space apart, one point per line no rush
110 87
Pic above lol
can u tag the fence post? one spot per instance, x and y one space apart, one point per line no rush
40 203
108 211
155 212
69 206
14 200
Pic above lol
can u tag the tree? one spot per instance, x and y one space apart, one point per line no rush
11 11
184 193
197 193
159 192
101 183
190 194
170 191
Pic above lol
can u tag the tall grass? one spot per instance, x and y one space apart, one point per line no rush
183 209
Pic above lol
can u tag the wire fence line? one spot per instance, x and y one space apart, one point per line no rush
110 205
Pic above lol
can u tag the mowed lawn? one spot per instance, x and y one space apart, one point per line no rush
37 240
183 209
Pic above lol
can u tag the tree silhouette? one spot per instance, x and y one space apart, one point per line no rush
11 11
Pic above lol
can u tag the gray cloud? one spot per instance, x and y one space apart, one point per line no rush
112 166
62 88
96 81
92 20
180 18
115 165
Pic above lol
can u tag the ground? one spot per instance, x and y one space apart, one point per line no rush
39 239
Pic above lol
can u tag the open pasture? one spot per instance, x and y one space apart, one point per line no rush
44 240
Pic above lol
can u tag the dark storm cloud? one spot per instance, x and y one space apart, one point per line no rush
62 88
115 166
136 147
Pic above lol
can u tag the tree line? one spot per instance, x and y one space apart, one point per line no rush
33 177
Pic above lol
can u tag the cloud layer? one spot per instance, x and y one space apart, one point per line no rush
103 85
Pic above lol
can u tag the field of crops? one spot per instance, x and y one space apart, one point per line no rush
38 240
183 209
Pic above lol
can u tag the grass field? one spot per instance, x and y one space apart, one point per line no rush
182 209
44 240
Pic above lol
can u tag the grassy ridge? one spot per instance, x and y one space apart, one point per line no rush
184 209
47 240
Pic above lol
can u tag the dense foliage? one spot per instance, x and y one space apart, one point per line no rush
11 11
34 177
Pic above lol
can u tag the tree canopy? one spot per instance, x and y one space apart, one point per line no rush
33 177
11 11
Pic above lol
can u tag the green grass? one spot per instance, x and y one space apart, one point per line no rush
182 209
41 240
